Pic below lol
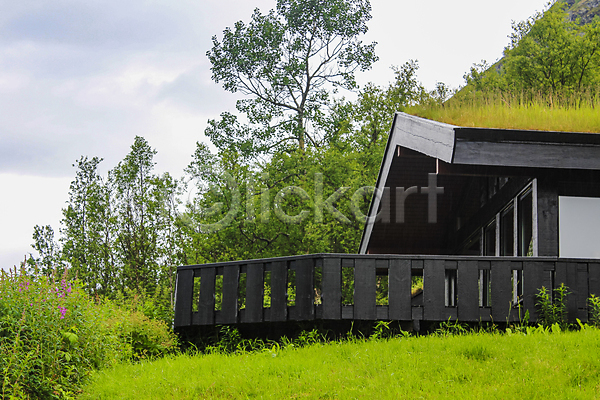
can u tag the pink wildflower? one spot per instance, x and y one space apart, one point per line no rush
63 312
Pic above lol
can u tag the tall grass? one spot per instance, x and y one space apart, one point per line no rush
496 366
575 112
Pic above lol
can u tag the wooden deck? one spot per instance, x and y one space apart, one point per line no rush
332 287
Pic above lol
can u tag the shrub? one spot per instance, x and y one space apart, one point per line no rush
142 337
52 335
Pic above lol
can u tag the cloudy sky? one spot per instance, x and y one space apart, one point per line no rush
85 77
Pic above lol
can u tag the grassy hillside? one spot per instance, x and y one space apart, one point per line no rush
493 366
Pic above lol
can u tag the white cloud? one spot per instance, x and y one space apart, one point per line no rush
27 201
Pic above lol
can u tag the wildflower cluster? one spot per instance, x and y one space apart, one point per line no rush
53 335
48 344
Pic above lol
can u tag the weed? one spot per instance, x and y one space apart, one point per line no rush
381 330
553 311
594 303
450 328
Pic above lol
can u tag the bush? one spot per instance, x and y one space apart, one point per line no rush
142 337
52 335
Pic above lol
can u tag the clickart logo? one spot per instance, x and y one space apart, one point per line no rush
295 205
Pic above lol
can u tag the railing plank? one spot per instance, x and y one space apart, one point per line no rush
567 274
581 277
594 279
305 309
229 306
433 290
399 283
533 279
501 290
584 290
278 291
332 288
365 290
254 293
184 299
206 303
468 291
573 298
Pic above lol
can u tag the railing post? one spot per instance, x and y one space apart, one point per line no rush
278 291
399 284
229 306
332 288
254 292
206 304
468 291
365 289
501 290
184 298
433 290
305 308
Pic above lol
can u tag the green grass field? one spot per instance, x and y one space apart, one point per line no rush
476 366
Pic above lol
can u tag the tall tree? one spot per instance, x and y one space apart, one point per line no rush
88 229
287 61
137 208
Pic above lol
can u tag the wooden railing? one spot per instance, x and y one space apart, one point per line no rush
378 287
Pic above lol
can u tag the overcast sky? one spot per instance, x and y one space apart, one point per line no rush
85 77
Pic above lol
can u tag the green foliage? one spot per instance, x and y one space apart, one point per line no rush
89 229
549 53
594 303
451 328
554 53
143 337
48 337
287 61
53 335
294 204
552 309
120 234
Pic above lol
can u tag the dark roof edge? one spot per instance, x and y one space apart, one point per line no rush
368 226
517 135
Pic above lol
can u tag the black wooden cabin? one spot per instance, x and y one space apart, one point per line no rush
486 216
498 192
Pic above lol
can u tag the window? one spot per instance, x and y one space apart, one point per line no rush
473 246
489 238
579 227
510 232
525 223
507 231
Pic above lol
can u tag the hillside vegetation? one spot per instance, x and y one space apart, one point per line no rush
548 79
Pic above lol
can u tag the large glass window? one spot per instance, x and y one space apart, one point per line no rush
579 227
489 237
507 231
525 224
